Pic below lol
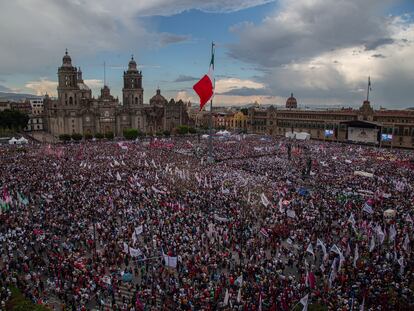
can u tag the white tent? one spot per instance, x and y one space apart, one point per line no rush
298 136
13 141
22 141
290 135
302 136
223 133
204 136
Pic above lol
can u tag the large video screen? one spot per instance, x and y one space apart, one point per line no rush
386 137
363 135
329 133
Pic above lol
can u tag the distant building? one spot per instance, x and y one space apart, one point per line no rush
291 102
76 111
365 125
4 104
36 115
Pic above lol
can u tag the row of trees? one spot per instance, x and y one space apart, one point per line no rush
13 120
130 134
78 137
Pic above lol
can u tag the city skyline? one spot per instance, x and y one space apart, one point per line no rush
322 51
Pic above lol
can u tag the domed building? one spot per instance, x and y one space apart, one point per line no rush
291 102
76 111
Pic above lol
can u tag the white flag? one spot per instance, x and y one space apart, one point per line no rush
368 209
226 298
351 219
139 229
380 233
408 218
372 244
260 302
239 295
264 199
135 252
406 244
126 248
291 213
310 249
356 255
320 243
304 302
118 177
239 280
336 249
393 233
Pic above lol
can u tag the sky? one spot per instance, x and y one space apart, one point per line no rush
322 51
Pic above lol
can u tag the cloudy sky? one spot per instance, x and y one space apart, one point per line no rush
321 50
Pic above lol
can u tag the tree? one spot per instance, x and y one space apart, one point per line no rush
77 136
88 136
109 135
99 136
130 134
182 129
64 137
13 119
192 130
166 133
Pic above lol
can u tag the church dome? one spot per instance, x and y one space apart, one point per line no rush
66 60
158 99
132 65
291 102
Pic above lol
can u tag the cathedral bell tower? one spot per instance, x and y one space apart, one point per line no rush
132 92
67 81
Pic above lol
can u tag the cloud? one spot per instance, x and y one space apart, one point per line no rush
43 86
4 89
185 97
246 91
322 50
373 45
185 78
169 38
230 84
93 83
378 56
87 27
303 29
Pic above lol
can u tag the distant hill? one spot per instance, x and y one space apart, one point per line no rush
17 96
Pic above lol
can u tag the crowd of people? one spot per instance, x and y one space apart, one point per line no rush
272 224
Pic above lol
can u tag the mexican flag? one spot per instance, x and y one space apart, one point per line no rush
205 87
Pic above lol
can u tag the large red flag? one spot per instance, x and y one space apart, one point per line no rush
205 87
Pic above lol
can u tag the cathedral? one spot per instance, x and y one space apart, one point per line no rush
76 111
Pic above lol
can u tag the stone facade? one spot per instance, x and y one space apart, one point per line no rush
76 111
276 122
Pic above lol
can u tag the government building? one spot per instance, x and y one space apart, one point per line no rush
383 127
76 111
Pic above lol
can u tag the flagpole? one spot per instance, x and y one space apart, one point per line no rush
210 158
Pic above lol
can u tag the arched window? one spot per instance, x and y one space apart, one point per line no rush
136 100
70 100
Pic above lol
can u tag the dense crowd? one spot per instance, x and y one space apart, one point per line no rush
154 226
